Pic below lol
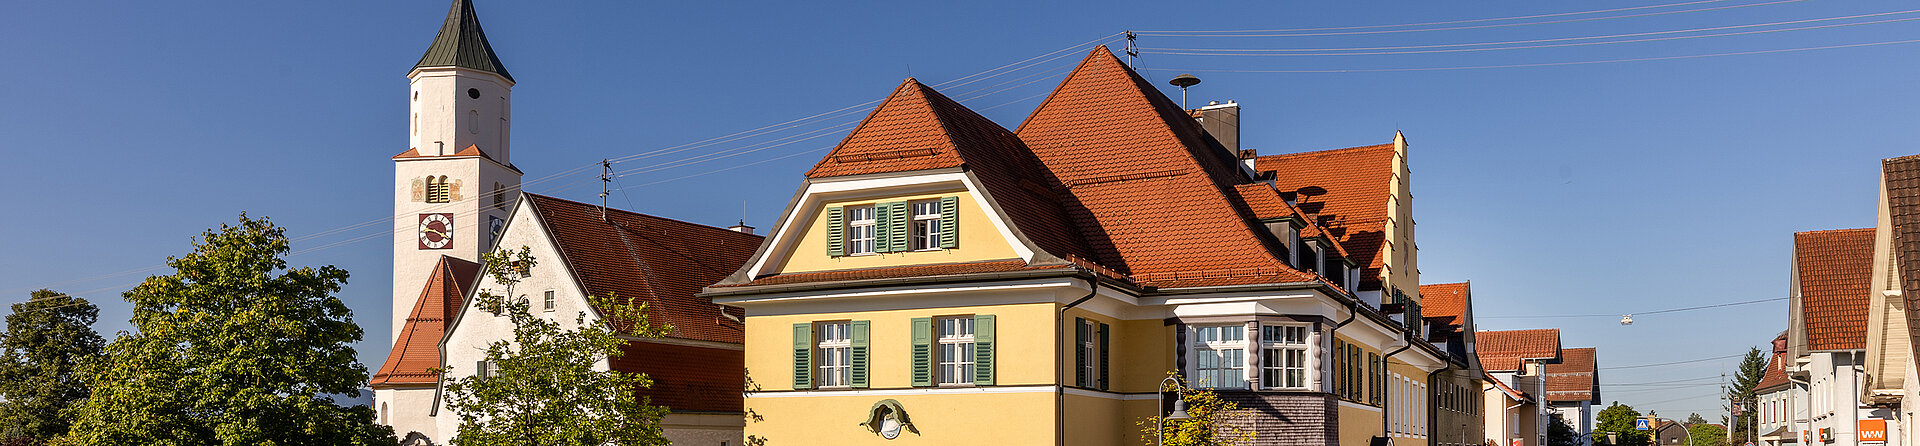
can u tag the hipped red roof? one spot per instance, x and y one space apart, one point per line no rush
661 262
418 348
1835 267
1444 303
1503 350
1575 377
1150 195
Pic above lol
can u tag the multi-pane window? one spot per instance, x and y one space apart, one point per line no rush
1283 357
955 350
1219 353
926 225
860 230
834 343
548 302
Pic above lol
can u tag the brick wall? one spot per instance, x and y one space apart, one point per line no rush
1288 418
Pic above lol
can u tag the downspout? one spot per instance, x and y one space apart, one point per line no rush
1059 359
1793 424
1433 416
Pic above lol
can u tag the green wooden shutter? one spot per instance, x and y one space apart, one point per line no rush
882 232
983 350
1104 334
836 228
1339 356
1079 352
949 222
922 351
802 356
857 355
901 219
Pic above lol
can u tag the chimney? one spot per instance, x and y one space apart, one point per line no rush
741 228
1222 121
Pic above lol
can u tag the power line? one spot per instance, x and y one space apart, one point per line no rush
1296 33
1640 313
1716 358
1457 47
1551 64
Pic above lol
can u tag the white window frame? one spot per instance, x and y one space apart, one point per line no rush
861 231
926 225
548 302
954 350
1293 340
833 342
1090 372
1214 349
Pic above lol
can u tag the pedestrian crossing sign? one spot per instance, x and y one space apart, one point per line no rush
1642 425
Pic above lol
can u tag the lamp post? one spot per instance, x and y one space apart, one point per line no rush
1179 409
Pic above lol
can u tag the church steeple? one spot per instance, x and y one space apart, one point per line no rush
462 44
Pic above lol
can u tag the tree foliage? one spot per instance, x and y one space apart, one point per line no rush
1745 380
233 348
1708 435
544 387
1559 433
1618 418
49 340
1210 421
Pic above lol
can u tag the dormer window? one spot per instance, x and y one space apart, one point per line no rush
860 230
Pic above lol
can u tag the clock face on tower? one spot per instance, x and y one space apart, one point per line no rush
436 231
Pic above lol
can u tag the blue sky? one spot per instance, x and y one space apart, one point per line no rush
1606 188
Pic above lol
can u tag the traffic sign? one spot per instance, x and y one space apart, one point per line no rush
1642 425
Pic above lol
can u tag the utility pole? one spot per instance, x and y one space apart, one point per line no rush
606 176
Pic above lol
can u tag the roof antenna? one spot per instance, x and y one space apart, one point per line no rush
606 176
1133 52
1183 81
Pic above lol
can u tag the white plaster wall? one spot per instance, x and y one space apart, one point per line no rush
406 410
446 114
412 265
704 429
467 340
1835 393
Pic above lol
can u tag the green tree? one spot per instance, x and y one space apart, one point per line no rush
1745 379
1695 418
1210 421
543 389
1559 433
233 348
49 339
1708 435
1618 418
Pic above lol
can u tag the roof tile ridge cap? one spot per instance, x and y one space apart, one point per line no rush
863 125
1055 93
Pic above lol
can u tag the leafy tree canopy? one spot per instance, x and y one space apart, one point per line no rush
233 348
1618 418
1559 433
1210 421
542 388
49 339
1745 380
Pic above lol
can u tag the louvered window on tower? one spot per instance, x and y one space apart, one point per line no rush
438 191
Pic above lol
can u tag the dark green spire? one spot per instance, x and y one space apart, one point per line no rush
462 44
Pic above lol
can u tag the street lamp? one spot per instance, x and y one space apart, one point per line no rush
1179 409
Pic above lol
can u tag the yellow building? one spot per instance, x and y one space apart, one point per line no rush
938 279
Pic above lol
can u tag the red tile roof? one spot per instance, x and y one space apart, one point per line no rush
1775 375
1349 189
1574 378
1902 177
418 348
1834 269
470 150
917 128
1444 303
1151 196
660 261
1503 350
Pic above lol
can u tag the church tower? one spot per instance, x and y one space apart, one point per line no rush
456 182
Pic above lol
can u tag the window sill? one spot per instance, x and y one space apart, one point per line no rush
956 386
